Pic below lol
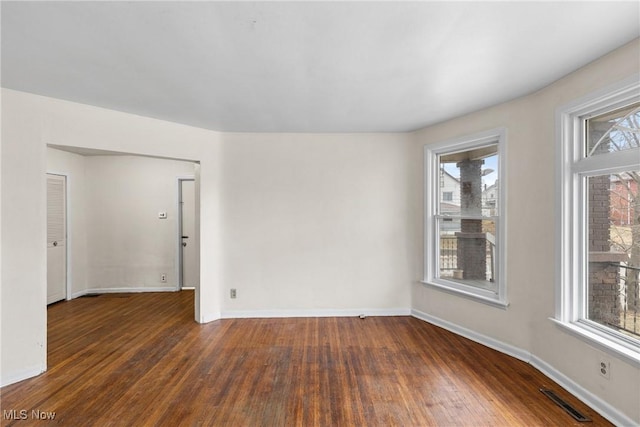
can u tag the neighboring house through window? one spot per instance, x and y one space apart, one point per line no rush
464 236
599 218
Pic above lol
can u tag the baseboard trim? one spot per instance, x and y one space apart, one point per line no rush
78 294
22 375
249 314
600 406
121 291
206 318
511 350
596 403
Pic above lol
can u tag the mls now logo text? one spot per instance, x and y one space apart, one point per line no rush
23 414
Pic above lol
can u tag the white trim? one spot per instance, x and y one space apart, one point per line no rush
605 343
131 290
209 318
479 295
79 294
616 161
498 137
136 290
570 222
596 403
247 314
605 409
512 351
22 375
94 291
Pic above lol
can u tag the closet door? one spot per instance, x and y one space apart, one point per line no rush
56 238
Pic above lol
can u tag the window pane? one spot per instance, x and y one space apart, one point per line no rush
615 131
469 182
614 251
468 252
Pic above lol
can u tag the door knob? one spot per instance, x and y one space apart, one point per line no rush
55 243
184 243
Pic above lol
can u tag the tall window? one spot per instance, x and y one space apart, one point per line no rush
599 228
463 223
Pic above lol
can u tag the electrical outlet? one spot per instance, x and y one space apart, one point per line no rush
604 367
163 278
232 293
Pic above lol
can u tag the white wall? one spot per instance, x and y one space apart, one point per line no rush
317 224
314 223
129 246
23 305
329 233
531 251
116 241
31 122
73 166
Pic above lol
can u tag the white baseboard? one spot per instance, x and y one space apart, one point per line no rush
14 377
248 314
206 318
513 351
78 294
121 290
600 406
597 404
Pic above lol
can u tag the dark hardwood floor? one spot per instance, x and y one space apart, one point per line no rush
140 359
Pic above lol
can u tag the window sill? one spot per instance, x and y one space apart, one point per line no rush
600 340
476 296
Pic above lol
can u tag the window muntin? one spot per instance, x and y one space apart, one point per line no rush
598 155
463 224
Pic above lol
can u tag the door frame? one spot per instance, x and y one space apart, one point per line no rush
67 226
180 264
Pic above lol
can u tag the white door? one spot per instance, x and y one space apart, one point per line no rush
189 240
56 238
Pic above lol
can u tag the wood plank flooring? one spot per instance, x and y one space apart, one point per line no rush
140 359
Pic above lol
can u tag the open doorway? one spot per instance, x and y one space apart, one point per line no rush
188 272
123 221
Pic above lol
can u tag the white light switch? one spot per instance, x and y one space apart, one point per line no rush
162 215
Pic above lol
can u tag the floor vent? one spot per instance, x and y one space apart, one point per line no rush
564 405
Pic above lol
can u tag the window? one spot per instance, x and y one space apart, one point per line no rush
599 219
464 236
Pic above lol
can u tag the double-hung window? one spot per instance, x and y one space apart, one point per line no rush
464 221
599 218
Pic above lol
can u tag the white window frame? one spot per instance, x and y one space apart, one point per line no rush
431 241
572 171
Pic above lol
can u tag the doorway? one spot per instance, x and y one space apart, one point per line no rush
188 274
56 238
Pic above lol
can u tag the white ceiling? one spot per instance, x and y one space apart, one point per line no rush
303 66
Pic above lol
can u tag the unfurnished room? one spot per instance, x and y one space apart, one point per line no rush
320 213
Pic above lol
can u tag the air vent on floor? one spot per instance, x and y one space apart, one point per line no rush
564 405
